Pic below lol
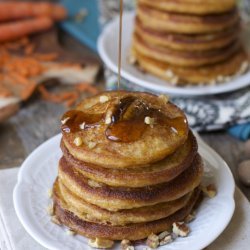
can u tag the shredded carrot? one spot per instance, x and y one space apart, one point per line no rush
29 49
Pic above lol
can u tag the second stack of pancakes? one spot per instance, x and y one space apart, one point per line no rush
130 167
189 41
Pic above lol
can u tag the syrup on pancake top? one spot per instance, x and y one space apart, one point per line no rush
130 168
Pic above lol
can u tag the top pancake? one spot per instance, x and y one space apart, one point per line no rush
138 143
183 23
198 7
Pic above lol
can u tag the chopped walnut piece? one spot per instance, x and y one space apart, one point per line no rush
209 190
126 245
100 243
166 240
152 241
82 126
181 229
148 120
70 232
169 73
92 144
78 141
163 235
103 98
65 120
164 98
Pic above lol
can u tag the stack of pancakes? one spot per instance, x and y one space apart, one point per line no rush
188 41
129 168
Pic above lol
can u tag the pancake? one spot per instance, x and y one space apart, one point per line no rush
184 58
187 42
116 198
198 7
186 24
138 143
193 76
134 231
89 212
159 172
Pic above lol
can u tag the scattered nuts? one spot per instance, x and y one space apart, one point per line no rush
152 241
55 220
92 144
181 229
126 245
78 141
65 120
94 183
100 243
50 209
148 120
243 68
164 98
50 193
166 240
220 78
169 73
190 217
70 232
163 235
103 98
174 80
209 190
82 126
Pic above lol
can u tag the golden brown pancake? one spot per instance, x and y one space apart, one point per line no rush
198 7
159 172
134 231
187 42
193 76
116 198
129 142
183 23
89 212
184 58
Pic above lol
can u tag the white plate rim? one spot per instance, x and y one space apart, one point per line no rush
235 84
22 181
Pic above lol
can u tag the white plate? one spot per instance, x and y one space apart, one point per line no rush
108 50
39 171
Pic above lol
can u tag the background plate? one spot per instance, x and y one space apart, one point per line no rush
108 50
39 171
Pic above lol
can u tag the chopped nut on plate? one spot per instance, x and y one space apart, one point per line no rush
152 241
181 229
82 126
166 240
209 190
100 243
70 232
92 144
126 245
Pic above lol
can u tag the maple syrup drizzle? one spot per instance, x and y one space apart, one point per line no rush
128 121
76 120
120 46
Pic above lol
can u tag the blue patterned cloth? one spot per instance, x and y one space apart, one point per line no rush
241 131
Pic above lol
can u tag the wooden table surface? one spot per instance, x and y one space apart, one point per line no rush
38 121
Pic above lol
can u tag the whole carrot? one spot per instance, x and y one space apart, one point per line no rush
18 10
17 29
